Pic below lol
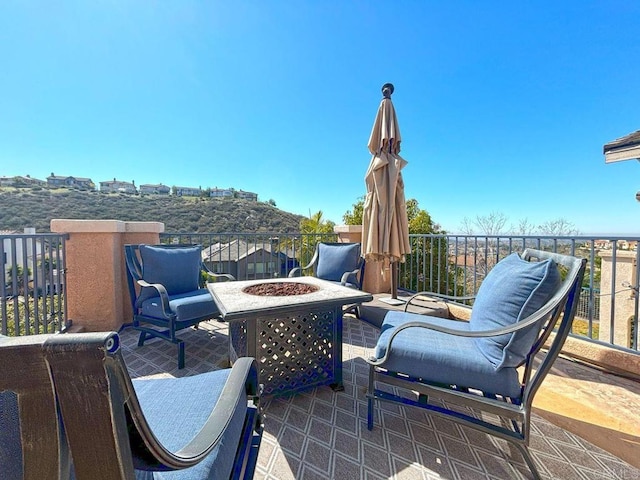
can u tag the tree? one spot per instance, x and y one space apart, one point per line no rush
315 224
313 230
354 217
271 202
524 228
419 220
493 225
560 227
490 225
17 272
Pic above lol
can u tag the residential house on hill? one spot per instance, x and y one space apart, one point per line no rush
58 181
187 191
118 186
248 260
248 195
221 192
231 193
21 181
151 189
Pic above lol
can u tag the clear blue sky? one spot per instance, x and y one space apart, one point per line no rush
503 106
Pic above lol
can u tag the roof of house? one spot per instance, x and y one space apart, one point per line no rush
119 182
623 148
63 177
630 140
234 251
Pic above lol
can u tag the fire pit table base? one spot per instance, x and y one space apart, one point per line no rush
295 350
293 331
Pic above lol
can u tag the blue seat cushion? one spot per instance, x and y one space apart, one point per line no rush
186 306
336 259
176 268
438 357
513 290
176 409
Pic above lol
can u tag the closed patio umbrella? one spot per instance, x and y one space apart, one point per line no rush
385 228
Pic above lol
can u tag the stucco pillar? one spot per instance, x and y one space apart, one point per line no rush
96 276
377 275
625 298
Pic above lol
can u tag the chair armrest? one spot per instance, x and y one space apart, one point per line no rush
295 272
162 293
437 296
494 332
347 275
298 271
225 277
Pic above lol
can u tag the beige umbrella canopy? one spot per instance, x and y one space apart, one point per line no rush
385 228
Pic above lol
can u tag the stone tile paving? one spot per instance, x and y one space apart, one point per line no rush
322 434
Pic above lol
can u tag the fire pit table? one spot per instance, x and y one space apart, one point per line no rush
293 327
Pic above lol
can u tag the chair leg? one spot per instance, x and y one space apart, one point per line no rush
142 338
526 454
180 354
370 398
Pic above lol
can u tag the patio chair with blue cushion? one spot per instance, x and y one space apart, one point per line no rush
485 365
71 410
166 291
32 441
336 262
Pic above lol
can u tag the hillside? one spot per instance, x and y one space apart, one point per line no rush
35 208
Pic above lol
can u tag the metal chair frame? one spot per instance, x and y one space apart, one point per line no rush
560 310
357 273
168 323
76 401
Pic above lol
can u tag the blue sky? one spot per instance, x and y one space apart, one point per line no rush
503 106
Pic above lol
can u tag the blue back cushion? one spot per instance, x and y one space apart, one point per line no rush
177 268
334 260
513 290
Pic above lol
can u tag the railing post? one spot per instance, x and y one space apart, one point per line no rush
96 283
617 304
377 275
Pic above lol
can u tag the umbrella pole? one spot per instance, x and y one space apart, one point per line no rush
393 299
394 280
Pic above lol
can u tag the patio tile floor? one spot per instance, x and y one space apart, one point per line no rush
323 434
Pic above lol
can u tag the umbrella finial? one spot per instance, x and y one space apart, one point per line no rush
387 90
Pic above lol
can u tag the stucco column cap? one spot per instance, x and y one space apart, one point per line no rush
59 225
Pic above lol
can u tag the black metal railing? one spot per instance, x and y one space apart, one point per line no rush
608 306
33 297
455 264
32 287
249 256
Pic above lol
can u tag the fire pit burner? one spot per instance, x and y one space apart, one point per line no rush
280 289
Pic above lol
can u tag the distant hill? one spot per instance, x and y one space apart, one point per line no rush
36 207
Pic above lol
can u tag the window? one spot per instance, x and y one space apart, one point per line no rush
257 268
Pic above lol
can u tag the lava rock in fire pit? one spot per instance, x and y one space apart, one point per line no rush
279 289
